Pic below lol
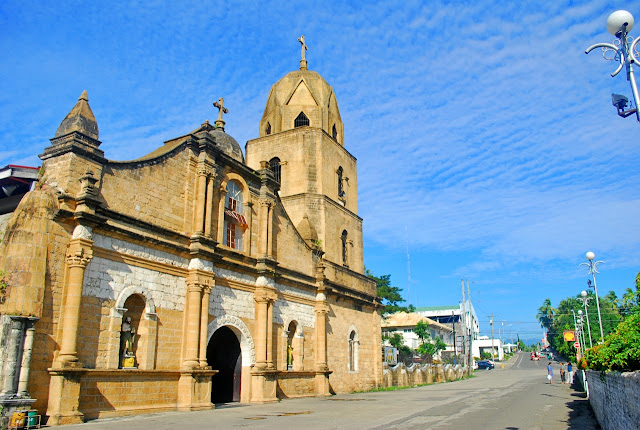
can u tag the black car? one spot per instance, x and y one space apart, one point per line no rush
485 365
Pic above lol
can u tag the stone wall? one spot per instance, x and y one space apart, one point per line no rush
408 376
615 399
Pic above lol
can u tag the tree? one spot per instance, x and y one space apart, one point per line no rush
422 330
545 314
390 295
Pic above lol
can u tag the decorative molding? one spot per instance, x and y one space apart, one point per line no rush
247 346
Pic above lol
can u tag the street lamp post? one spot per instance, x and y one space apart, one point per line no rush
575 324
593 269
581 325
624 50
585 301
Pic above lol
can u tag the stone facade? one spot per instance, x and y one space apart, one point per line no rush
190 276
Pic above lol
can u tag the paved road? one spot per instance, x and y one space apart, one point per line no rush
516 397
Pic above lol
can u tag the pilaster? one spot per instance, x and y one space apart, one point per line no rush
79 255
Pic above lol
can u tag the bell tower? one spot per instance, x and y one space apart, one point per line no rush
302 137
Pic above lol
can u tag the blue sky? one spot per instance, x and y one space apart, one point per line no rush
485 137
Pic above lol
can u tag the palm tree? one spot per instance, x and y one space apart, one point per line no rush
545 314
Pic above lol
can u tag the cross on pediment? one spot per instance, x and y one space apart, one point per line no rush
221 109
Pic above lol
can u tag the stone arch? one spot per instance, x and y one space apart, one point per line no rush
240 329
296 340
147 330
150 307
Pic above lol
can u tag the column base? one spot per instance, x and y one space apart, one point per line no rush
263 385
64 396
194 390
322 383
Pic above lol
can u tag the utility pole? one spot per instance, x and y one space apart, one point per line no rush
470 327
464 330
492 349
453 324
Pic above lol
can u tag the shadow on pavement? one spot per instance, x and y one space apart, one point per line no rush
581 415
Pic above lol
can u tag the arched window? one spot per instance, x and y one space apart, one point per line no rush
340 173
334 133
353 351
344 248
234 220
301 120
268 129
274 166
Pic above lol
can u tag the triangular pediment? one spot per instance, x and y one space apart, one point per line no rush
302 96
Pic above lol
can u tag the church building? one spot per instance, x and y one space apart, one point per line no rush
193 275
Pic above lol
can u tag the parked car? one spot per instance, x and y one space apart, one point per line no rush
485 364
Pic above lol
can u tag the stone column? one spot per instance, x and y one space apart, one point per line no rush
270 231
78 256
192 336
263 233
204 323
200 201
248 211
222 203
209 206
270 364
321 335
262 303
26 357
11 367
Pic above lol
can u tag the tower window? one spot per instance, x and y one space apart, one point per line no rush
334 133
268 129
274 166
234 220
301 120
340 173
344 248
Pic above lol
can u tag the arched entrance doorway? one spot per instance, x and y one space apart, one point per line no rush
223 355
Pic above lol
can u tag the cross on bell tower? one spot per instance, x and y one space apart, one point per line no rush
221 109
303 61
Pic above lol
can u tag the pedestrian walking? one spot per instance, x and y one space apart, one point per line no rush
569 373
562 374
550 373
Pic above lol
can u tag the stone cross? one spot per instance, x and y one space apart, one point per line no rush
304 46
221 109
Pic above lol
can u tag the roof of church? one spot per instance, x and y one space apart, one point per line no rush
403 319
284 89
80 119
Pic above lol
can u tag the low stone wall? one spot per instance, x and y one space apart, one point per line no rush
115 393
296 384
615 399
403 376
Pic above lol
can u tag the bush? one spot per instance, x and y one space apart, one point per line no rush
620 350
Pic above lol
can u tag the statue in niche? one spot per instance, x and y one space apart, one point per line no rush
127 337
289 355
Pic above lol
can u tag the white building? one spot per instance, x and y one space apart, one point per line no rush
463 323
405 323
485 344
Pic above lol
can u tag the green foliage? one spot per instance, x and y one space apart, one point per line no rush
396 340
391 297
620 350
522 346
3 286
485 355
422 330
545 314
428 349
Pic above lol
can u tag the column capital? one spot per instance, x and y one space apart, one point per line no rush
79 255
